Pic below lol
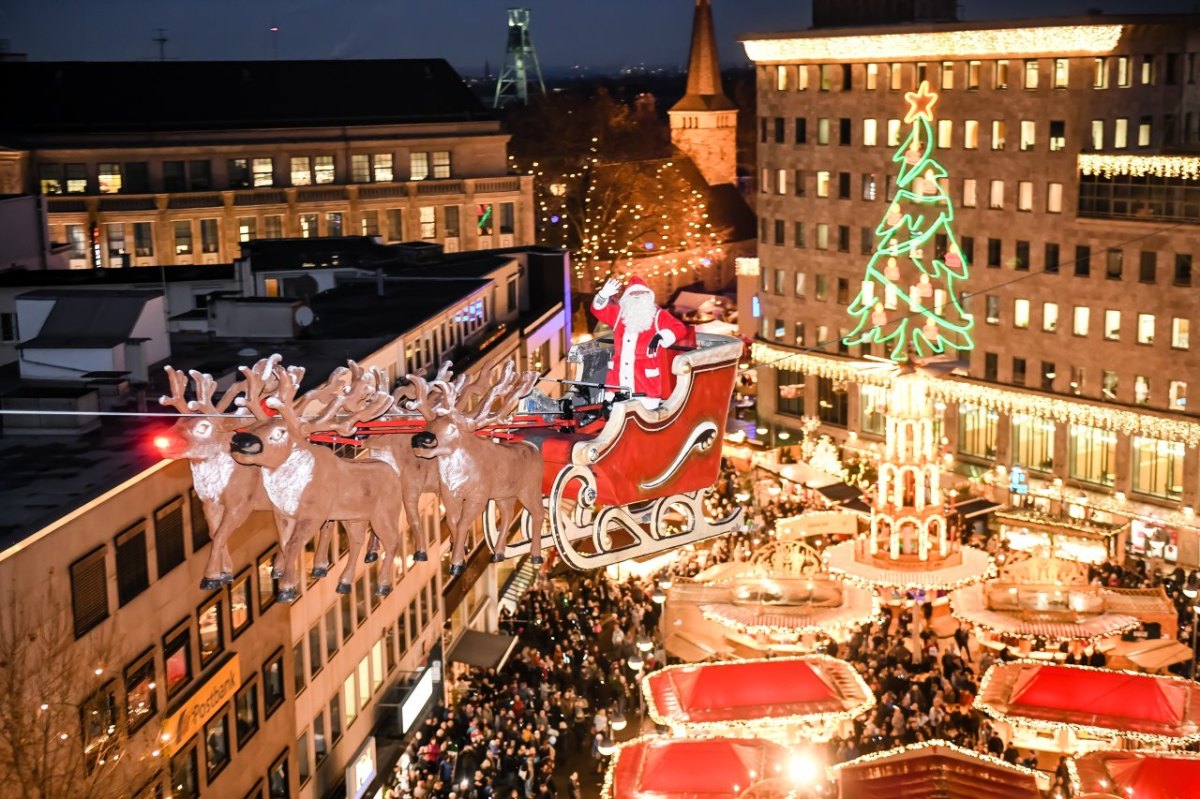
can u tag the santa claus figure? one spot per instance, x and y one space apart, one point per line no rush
640 327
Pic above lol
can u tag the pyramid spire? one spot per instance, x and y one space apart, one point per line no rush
704 91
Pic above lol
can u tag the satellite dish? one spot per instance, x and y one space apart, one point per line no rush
304 316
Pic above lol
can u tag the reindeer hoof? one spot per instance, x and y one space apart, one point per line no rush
371 557
497 557
537 560
383 590
227 578
320 571
210 583
287 595
457 569
343 588
276 573
419 556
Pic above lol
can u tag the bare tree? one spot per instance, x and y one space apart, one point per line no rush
61 733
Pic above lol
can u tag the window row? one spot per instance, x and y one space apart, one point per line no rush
1175 397
90 601
1121 71
143 177
890 132
1156 466
1144 327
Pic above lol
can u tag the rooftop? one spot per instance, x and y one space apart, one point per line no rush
61 98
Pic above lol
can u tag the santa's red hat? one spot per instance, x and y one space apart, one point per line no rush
636 284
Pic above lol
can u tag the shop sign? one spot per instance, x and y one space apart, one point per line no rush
202 705
362 770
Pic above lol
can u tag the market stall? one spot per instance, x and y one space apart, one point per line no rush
1144 775
933 768
1076 535
677 768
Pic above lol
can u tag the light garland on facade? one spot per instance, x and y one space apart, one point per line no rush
958 43
1107 733
754 728
1061 524
835 770
1003 400
1162 166
748 267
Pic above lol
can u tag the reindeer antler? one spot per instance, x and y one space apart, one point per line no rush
501 400
260 382
177 399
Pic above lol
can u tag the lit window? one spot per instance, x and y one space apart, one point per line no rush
947 74
868 187
1025 195
1054 196
1147 70
781 78
893 133
76 178
428 222
823 130
1144 132
301 170
1097 134
870 132
781 177
996 194
183 237
998 134
418 166
1100 74
1141 390
1179 333
308 226
381 163
872 76
1031 74
1145 328
1000 80
822 184
441 164
1108 385
1112 325
110 178
1124 73
1028 134
1158 467
1178 395
970 189
945 133
1061 72
1121 134
1092 453
1021 314
822 238
895 77
323 169
1050 316
970 134
262 171
360 168
973 70
1080 324
801 77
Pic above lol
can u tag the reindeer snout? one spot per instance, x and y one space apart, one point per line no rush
425 440
246 444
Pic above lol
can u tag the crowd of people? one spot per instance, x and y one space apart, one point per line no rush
542 725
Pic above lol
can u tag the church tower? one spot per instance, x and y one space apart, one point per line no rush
704 121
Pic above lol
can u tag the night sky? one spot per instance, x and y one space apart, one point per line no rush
596 33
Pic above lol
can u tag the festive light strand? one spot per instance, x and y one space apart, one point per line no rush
1162 166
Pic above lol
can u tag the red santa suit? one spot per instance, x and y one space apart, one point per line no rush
632 365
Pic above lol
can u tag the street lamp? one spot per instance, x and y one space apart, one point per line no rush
618 722
644 643
658 596
634 662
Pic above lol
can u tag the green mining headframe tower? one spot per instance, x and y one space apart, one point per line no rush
520 62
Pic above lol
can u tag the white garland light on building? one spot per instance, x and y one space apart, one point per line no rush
1161 166
1010 42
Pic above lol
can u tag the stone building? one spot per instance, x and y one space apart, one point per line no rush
704 121
206 156
1073 156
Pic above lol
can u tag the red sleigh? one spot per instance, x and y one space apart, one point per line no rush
633 485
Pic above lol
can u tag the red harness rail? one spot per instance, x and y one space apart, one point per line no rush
409 426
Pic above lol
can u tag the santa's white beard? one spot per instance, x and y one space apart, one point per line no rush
638 311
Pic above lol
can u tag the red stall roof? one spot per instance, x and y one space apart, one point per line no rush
1117 703
1145 775
781 690
714 768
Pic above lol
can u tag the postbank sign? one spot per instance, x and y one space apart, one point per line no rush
201 705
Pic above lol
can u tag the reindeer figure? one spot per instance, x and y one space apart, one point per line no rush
417 475
228 491
307 484
473 469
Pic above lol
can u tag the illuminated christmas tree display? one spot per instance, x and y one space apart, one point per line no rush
908 301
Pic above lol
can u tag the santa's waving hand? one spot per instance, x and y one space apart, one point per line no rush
640 327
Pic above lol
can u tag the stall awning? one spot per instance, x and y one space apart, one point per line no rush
858 506
840 492
975 507
486 650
